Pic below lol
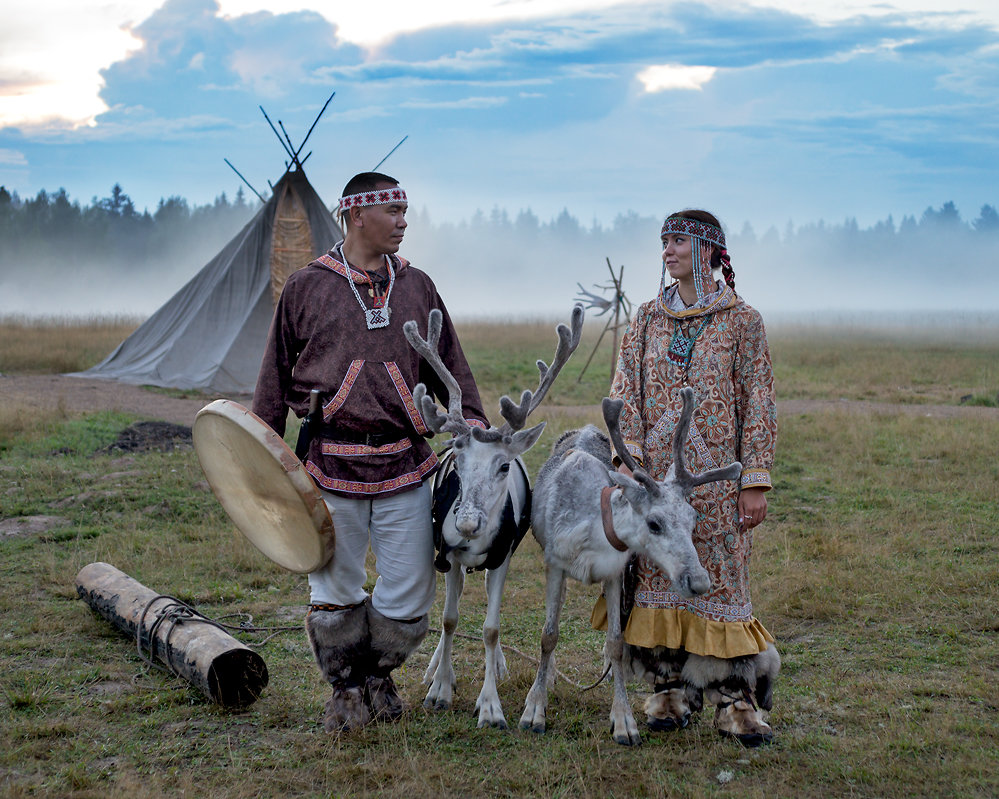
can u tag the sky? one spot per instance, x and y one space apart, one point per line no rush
767 111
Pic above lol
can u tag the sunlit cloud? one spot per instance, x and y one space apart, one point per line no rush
58 49
670 77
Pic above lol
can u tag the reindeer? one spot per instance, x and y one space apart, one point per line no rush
491 514
590 519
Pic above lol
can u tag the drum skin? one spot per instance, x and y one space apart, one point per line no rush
263 486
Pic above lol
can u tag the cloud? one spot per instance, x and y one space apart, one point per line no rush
666 77
12 158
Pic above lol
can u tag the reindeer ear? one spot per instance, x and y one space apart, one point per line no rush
523 440
621 479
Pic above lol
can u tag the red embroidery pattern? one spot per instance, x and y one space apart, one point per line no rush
341 269
380 197
334 404
407 398
367 489
352 450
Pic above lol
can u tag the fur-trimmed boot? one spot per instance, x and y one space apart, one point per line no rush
672 704
340 642
674 701
741 689
392 641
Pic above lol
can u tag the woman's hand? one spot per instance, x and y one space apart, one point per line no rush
752 507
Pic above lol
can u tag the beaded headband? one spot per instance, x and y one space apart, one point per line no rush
376 197
691 227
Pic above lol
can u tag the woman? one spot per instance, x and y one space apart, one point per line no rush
698 332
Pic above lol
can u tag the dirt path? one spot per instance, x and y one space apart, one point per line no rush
48 393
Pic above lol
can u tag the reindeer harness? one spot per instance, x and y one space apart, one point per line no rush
447 491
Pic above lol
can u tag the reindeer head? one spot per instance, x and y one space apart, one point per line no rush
483 457
663 518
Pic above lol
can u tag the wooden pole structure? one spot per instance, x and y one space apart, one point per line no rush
224 669
617 315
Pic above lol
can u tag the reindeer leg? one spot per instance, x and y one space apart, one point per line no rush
440 673
533 717
488 704
623 727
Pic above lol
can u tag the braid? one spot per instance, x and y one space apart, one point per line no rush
727 271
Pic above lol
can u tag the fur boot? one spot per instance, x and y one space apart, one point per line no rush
340 642
674 701
392 641
741 689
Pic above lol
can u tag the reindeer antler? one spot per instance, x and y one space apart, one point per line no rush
612 418
451 422
568 340
687 481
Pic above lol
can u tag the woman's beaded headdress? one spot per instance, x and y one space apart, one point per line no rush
699 232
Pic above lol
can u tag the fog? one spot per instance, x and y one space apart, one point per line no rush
501 267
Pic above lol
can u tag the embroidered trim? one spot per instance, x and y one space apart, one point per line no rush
694 437
341 269
377 197
352 450
367 489
407 398
647 598
726 295
754 477
340 397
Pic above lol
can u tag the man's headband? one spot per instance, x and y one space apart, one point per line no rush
691 227
376 197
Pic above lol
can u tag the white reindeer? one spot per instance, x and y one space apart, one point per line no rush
491 513
590 519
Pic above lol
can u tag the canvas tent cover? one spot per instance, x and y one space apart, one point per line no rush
210 335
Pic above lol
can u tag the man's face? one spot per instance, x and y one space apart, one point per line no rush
381 226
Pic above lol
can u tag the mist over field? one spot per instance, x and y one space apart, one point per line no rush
108 259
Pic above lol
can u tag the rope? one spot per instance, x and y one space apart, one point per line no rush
535 661
176 612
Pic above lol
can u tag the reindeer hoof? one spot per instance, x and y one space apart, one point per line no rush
538 729
436 705
499 724
626 740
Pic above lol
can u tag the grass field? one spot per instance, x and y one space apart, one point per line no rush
878 571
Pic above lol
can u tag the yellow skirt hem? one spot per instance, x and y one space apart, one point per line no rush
679 629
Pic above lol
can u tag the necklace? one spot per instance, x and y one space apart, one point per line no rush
681 346
378 316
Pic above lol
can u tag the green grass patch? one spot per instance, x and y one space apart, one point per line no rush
877 570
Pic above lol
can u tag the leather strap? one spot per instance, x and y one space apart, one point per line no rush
608 519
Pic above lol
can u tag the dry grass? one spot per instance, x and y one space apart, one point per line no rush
877 571
48 345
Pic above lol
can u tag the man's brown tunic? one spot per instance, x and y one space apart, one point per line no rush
319 339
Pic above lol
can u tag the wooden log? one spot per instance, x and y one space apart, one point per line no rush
224 669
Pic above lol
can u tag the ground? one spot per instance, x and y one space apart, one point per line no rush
51 392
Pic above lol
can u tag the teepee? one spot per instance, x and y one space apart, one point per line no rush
211 334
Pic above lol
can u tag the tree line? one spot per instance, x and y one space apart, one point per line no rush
519 261
110 230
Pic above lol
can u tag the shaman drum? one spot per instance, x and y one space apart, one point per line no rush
263 486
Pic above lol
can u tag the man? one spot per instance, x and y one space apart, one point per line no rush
338 328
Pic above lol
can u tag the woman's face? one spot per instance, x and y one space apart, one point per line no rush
678 255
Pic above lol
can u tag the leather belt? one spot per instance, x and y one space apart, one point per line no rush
368 439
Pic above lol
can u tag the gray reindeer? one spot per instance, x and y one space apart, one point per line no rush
590 519
492 511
